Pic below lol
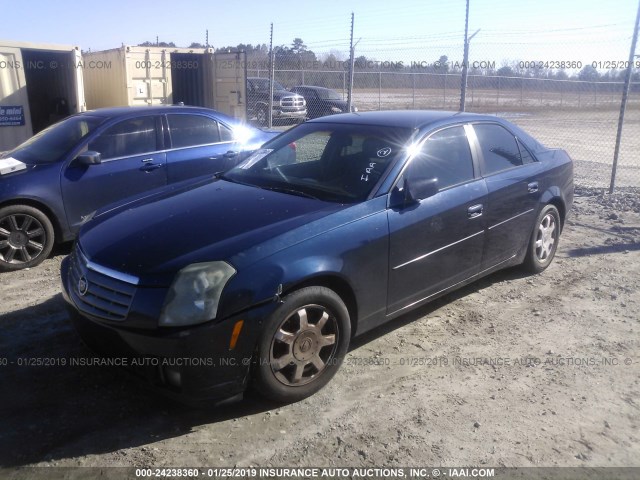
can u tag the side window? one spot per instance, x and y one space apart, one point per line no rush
192 130
446 156
226 135
127 138
499 148
524 153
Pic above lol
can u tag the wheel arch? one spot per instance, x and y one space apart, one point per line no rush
336 283
45 209
554 197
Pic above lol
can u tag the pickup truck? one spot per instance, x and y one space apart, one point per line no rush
286 104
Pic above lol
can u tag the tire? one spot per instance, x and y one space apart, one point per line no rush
262 116
302 346
544 240
26 237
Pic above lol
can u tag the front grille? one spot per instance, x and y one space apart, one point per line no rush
96 293
295 101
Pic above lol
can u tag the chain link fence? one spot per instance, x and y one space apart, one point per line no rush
572 104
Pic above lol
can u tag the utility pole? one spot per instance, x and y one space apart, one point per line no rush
271 79
465 60
351 67
623 103
206 41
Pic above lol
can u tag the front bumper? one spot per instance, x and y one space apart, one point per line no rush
194 364
283 113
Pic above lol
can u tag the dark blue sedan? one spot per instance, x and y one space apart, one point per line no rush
263 275
52 182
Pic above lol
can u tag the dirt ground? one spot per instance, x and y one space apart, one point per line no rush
513 370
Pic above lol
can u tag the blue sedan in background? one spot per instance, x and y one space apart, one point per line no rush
263 275
52 182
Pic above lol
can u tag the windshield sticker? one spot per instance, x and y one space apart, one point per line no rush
384 152
255 158
10 165
365 176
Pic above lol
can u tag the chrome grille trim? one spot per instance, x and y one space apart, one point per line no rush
292 101
105 297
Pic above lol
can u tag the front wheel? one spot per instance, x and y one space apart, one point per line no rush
303 345
544 240
262 116
26 237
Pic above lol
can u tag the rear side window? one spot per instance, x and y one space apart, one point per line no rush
446 156
127 138
524 153
499 148
192 130
226 135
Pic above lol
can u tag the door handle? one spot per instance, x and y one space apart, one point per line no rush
147 160
149 167
532 187
474 211
230 154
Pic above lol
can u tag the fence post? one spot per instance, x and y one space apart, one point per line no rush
413 78
352 61
271 79
380 90
521 90
444 91
623 103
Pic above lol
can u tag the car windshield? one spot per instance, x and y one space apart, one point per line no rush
263 85
327 94
331 162
51 144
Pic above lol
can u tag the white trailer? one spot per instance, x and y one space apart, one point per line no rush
39 85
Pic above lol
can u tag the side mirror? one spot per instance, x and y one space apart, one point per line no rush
89 158
413 190
421 188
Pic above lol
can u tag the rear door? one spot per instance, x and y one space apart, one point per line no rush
512 180
132 163
437 242
200 145
230 83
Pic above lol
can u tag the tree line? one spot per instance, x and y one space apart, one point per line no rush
297 56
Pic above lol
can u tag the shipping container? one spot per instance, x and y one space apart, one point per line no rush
39 85
134 75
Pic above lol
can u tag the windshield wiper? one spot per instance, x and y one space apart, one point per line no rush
290 191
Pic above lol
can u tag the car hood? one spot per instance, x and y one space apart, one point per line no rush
284 93
154 237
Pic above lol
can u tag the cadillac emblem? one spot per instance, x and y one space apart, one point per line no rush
83 286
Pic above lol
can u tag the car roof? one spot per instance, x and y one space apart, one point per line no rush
111 112
312 87
405 118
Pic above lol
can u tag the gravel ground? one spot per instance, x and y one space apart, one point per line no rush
513 370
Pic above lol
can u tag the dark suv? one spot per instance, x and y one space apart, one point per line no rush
286 104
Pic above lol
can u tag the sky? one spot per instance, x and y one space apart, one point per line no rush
409 30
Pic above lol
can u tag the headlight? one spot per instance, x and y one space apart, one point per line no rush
194 295
336 110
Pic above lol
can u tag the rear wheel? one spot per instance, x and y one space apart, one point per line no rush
544 240
303 345
26 237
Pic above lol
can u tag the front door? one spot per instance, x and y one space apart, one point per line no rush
437 242
131 164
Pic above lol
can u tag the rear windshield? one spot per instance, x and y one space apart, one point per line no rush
53 143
